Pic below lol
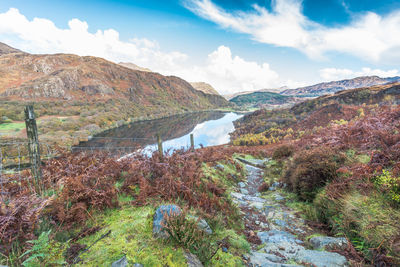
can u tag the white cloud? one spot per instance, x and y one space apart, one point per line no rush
230 74
331 74
369 36
43 36
227 73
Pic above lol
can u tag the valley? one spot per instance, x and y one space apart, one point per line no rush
287 178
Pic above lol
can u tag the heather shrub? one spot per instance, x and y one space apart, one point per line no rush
310 170
185 232
283 151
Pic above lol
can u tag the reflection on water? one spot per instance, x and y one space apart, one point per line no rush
208 128
208 133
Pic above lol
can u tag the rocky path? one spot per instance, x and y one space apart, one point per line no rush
279 237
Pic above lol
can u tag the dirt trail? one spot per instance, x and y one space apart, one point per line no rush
279 237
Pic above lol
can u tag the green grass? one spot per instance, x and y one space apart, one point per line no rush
12 127
131 235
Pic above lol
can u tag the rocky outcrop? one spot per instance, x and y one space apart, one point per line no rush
205 88
5 49
25 76
333 87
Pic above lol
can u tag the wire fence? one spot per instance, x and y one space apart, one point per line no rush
15 159
14 166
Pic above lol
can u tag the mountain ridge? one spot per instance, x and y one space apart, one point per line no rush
340 85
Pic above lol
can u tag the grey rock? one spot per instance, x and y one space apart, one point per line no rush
242 185
276 236
220 167
287 250
327 242
202 224
138 265
123 262
258 259
237 195
244 191
279 197
257 205
281 223
192 260
159 219
254 199
321 258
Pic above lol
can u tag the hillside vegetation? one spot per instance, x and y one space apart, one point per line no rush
340 156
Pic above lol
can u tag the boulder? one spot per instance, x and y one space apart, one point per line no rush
159 219
258 259
327 242
123 262
321 258
192 260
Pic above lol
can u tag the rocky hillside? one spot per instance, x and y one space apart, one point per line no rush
71 77
5 49
314 112
335 86
134 66
264 99
205 88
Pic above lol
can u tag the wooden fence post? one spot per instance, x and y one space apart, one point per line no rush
33 147
192 142
160 147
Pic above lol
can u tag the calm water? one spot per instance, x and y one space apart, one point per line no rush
208 129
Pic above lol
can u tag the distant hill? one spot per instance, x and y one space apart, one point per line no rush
205 88
5 49
259 99
272 90
335 86
133 66
312 112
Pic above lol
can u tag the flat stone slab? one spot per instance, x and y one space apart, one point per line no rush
258 259
237 195
321 258
276 236
327 242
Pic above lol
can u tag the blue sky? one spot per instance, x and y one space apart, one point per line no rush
234 45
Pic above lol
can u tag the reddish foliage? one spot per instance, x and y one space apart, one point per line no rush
18 220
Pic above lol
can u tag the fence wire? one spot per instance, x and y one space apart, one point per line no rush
14 166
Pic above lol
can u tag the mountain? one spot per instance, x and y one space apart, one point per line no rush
274 90
322 110
204 87
335 86
5 49
70 77
262 99
133 66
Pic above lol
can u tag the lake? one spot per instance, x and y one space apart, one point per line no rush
208 129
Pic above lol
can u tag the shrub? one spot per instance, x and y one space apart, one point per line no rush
310 170
263 187
44 252
283 151
185 232
389 184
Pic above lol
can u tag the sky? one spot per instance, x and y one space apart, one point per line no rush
235 46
